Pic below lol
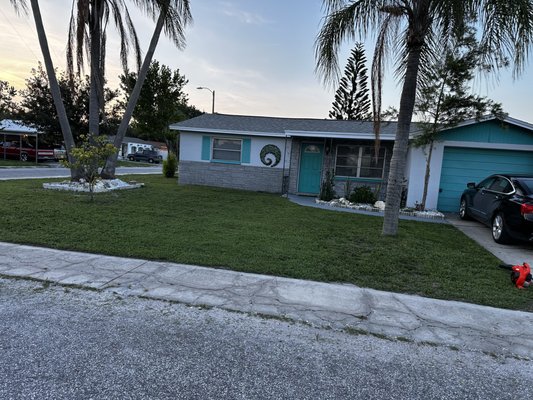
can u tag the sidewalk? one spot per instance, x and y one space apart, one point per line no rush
339 306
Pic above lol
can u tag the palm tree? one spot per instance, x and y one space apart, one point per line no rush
20 5
174 15
418 29
87 33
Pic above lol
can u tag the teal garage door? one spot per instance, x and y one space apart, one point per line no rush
462 165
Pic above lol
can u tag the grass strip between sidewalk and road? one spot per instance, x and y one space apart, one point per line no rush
260 233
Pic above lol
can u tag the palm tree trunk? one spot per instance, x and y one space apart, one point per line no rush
108 172
54 87
399 152
96 85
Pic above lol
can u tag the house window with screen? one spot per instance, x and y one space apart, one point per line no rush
359 162
228 150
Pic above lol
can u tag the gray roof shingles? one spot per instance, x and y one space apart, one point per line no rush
244 123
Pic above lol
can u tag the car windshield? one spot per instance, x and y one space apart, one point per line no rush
527 184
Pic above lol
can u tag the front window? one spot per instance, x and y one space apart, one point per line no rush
359 161
227 150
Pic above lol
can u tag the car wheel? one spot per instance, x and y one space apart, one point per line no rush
463 210
23 157
151 160
500 234
130 158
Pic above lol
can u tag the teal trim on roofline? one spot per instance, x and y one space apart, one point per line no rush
492 131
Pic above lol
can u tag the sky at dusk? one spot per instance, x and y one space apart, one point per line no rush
257 55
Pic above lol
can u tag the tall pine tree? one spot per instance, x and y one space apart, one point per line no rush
351 99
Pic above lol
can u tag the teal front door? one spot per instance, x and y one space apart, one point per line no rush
310 168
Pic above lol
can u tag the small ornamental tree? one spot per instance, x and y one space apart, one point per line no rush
170 165
446 99
90 157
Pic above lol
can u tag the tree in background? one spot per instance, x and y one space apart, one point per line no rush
37 109
414 33
7 105
445 98
352 97
162 101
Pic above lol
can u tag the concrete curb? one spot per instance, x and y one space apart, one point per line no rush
337 306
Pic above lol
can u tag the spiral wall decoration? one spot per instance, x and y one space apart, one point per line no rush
274 155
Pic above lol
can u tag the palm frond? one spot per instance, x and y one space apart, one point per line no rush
387 32
344 21
507 31
19 6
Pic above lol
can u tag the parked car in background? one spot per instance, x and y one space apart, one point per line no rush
150 156
24 151
60 153
503 202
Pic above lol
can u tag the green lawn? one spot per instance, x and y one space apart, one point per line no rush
261 233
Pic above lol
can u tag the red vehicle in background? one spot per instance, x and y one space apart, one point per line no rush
23 150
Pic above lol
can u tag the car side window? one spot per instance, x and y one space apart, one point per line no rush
518 188
501 185
485 184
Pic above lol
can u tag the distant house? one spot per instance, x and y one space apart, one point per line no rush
293 155
131 145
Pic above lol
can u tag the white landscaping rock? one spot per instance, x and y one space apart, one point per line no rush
103 185
379 206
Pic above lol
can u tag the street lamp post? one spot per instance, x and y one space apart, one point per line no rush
213 93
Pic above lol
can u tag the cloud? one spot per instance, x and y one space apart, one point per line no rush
243 16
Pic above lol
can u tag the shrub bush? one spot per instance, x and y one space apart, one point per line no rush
170 165
363 194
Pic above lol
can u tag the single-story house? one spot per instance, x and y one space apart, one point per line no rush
294 155
131 145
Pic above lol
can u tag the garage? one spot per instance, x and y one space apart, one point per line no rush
461 165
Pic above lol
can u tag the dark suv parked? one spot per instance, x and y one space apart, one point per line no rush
150 156
503 202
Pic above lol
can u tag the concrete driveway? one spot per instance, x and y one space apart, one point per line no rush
509 254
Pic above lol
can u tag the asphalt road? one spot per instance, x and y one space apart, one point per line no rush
62 343
51 172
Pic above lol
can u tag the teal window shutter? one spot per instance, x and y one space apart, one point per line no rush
206 148
246 149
